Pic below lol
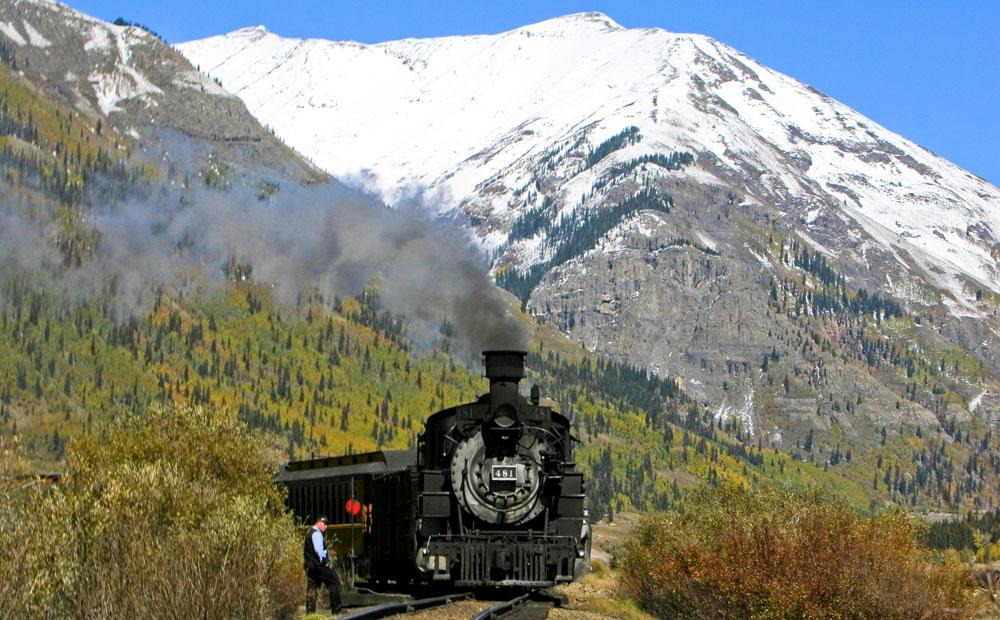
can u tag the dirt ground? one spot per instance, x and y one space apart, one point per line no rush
462 610
592 598
596 597
609 538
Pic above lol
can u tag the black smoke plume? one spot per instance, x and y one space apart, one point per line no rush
327 238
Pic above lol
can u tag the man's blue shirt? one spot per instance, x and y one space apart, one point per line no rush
317 539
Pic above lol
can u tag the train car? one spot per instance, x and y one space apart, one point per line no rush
340 488
491 497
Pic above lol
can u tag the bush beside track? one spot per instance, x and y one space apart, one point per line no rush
170 515
735 553
175 513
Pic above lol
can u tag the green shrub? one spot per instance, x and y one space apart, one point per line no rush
772 554
26 559
171 514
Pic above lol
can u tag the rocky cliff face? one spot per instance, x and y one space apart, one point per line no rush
667 200
134 82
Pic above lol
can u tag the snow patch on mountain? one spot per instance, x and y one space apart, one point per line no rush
124 81
100 38
974 403
708 242
35 37
742 412
199 81
10 31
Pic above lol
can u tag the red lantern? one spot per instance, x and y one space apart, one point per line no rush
353 507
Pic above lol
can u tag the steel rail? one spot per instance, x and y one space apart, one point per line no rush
502 609
392 609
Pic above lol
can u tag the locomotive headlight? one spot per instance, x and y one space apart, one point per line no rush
505 416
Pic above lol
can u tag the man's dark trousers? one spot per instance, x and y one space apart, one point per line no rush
319 576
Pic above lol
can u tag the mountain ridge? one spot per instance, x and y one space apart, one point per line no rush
451 172
129 76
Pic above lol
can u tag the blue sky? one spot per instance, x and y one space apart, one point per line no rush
927 70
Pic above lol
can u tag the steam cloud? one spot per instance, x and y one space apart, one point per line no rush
328 238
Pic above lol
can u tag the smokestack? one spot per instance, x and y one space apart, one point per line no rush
504 369
507 366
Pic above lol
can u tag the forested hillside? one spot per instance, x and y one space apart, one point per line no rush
324 378
140 269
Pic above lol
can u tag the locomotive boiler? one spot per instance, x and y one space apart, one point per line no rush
490 497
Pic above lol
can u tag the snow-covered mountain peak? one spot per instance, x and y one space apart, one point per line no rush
465 121
250 32
566 25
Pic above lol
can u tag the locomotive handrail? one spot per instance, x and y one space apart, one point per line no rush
391 609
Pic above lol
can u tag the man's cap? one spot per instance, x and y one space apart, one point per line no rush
324 520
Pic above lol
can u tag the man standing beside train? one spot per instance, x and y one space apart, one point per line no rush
317 565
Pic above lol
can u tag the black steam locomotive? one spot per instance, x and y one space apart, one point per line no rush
491 496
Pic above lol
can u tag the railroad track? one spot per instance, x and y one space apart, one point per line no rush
393 609
532 605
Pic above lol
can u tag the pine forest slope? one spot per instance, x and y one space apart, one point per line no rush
319 380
